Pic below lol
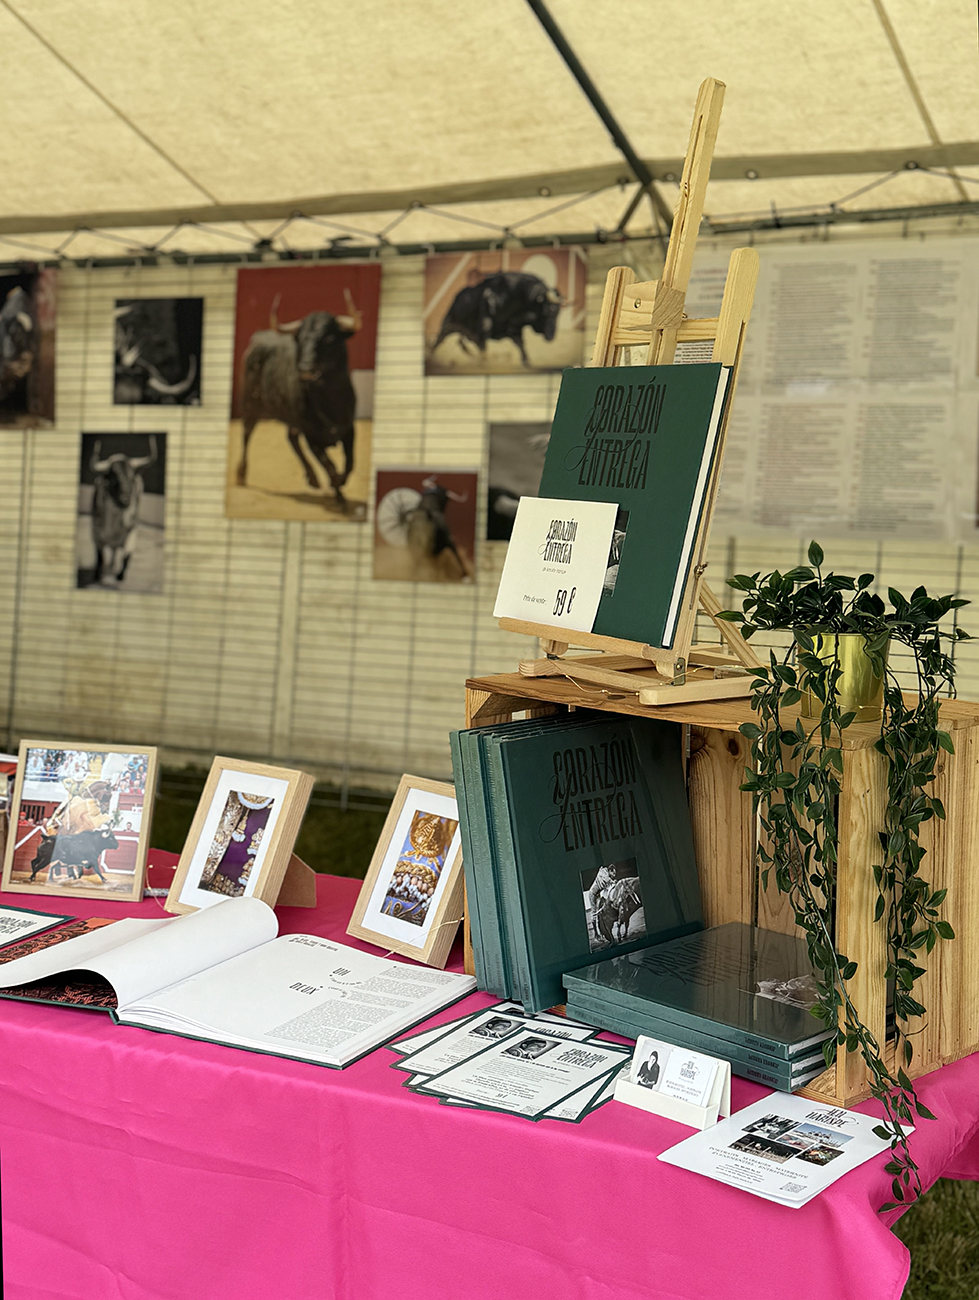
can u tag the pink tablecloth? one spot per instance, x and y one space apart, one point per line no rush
138 1166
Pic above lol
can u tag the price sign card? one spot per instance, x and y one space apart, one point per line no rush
557 562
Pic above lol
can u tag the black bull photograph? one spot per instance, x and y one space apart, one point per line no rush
121 512
504 312
299 439
27 333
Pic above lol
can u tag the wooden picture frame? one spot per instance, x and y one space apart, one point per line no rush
418 916
99 792
246 822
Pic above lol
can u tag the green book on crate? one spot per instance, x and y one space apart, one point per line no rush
645 438
795 1072
490 937
593 846
734 981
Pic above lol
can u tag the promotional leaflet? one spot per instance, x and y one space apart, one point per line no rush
465 1039
783 1148
576 1107
527 1073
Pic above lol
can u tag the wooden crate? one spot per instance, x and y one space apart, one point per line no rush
724 839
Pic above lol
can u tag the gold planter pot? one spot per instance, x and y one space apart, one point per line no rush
860 689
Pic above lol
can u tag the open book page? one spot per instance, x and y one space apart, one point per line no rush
137 956
301 996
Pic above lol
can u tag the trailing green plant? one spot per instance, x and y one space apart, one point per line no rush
795 785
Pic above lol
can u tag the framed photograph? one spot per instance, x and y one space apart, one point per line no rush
28 315
516 462
411 900
425 525
302 401
80 820
241 839
504 312
158 351
121 518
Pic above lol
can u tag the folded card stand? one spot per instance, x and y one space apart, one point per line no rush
684 1112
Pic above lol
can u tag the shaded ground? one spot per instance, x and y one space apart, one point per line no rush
333 839
942 1233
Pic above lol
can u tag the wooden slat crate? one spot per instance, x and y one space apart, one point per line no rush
724 838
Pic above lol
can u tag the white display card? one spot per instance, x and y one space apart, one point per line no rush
677 1083
21 922
556 562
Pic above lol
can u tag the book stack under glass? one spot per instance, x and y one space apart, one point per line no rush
734 991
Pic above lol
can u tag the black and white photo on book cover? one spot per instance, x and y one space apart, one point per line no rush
613 903
158 351
121 512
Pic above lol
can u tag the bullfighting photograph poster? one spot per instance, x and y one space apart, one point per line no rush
158 351
299 443
121 512
80 820
425 525
28 306
506 312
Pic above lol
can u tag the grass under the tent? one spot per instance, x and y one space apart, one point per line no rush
941 1231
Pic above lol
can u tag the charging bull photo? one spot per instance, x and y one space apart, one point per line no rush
121 512
506 312
28 305
299 443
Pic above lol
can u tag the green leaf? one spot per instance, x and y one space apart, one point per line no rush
815 554
864 580
944 929
750 729
945 741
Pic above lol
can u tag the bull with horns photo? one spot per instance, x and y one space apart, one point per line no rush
121 512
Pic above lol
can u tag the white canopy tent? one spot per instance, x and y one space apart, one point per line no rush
205 128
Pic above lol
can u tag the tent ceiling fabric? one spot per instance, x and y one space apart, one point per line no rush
129 116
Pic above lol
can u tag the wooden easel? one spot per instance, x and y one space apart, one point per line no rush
651 312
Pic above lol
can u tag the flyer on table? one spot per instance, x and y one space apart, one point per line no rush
527 1073
558 560
784 1148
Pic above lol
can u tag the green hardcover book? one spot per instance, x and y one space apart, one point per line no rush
646 438
508 932
595 1011
480 868
710 982
468 859
595 851
767 1074
492 939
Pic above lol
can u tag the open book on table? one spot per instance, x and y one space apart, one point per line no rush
224 974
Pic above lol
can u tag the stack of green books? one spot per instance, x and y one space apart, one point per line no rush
734 991
576 845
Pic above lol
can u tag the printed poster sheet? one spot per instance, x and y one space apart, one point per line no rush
783 1148
857 410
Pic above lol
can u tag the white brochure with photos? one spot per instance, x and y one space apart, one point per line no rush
678 1083
557 561
783 1148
